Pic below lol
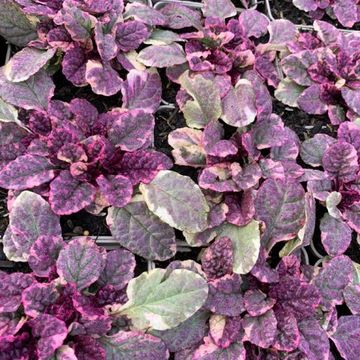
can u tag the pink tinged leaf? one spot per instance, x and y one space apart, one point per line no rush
268 132
306 5
280 204
352 298
239 105
219 8
51 333
290 148
218 178
288 335
131 34
105 42
350 133
81 262
281 32
135 345
340 161
161 56
33 93
335 235
352 99
131 130
261 330
253 23
272 169
347 12
314 341
225 330
69 195
11 287
43 254
117 190
94 6
143 165
352 216
86 306
140 231
26 63
257 303
188 333
119 269
74 66
210 351
347 337
312 150
295 296
142 90
310 102
179 16
241 209
103 79
37 297
26 172
30 218
217 259
225 296
246 177
333 279
145 14
78 23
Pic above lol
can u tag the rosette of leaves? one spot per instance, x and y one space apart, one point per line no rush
220 48
346 12
80 300
93 40
79 158
322 74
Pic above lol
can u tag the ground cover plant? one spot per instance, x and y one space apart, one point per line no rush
248 228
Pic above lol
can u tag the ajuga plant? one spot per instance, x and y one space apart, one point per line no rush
79 158
322 73
346 12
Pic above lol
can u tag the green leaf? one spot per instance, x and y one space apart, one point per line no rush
177 201
15 26
163 303
8 113
288 92
206 103
246 244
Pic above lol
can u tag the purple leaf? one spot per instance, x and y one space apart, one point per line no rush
10 324
340 161
131 34
134 345
11 287
105 42
131 130
119 268
87 347
350 132
225 297
103 79
347 12
145 14
306 5
179 16
33 93
117 190
43 254
352 298
225 330
257 303
218 8
26 171
314 341
280 204
239 105
51 333
139 230
219 177
69 195
143 165
332 280
37 297
351 97
253 23
310 102
313 149
81 262
261 330
268 132
335 235
281 32
288 335
30 218
142 90
74 66
161 56
188 333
